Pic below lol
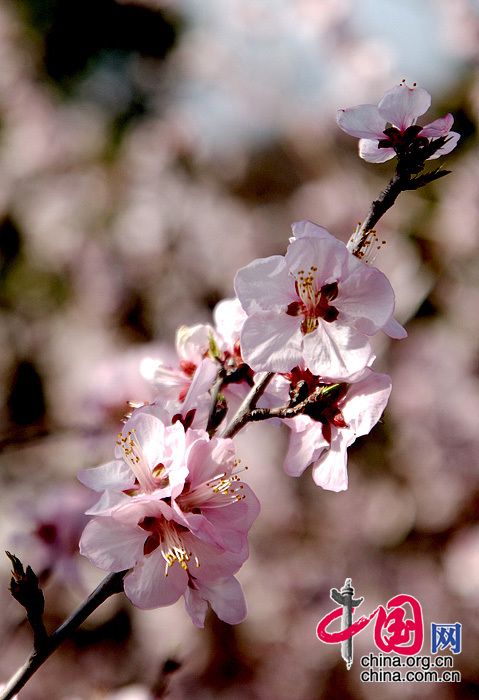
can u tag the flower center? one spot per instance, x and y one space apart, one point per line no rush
219 491
313 302
166 535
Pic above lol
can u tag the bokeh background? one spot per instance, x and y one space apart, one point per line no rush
147 150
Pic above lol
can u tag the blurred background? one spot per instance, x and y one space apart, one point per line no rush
147 150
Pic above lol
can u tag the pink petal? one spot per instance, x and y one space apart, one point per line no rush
368 150
449 146
271 341
402 105
215 563
329 255
366 401
363 121
308 229
174 455
330 471
365 297
198 397
150 435
394 329
109 500
264 284
227 527
227 600
192 342
207 458
336 351
196 606
147 586
439 127
305 440
111 545
229 318
115 475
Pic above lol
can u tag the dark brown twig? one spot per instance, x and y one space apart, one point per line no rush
242 415
110 585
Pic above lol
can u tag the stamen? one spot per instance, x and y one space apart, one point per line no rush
134 457
314 300
365 246
173 549
219 491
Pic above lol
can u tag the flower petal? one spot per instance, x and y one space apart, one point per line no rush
271 342
439 127
227 600
147 586
365 297
402 105
207 458
150 435
196 606
215 563
197 396
115 475
192 342
229 317
394 329
363 121
264 284
108 501
329 255
336 351
449 146
112 545
305 441
308 229
366 401
369 150
330 471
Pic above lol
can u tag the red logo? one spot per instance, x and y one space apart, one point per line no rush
398 627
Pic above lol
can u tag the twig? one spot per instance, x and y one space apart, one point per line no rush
26 590
110 585
214 391
401 182
242 415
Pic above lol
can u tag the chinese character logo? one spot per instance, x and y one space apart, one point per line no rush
446 636
399 627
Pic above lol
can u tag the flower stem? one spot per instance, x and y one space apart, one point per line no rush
110 585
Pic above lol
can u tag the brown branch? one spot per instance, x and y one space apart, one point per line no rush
110 585
242 415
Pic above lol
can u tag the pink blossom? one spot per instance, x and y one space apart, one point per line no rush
57 518
316 306
323 433
188 537
150 458
400 107
194 344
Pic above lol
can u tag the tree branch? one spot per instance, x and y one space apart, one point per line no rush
110 585
243 413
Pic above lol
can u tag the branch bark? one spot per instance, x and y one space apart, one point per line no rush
110 585
243 413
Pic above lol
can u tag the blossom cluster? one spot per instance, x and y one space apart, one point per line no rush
173 512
